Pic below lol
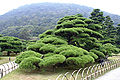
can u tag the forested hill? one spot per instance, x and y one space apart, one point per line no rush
42 16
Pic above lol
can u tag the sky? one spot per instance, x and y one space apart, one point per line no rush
111 6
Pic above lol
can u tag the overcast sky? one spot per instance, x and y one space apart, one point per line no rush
112 6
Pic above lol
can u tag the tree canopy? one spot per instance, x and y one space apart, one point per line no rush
75 40
10 44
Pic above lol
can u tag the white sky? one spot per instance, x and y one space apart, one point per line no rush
112 6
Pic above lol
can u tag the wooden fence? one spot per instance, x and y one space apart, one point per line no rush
7 68
90 73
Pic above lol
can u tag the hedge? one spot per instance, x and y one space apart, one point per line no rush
27 54
52 60
30 63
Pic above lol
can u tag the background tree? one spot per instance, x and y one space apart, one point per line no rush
118 35
24 34
97 16
10 44
108 29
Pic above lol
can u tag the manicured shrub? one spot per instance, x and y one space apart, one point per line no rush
27 54
49 54
35 47
52 60
58 26
69 42
66 32
81 18
47 48
71 53
79 25
72 48
84 35
95 27
98 53
62 48
77 61
87 59
88 21
30 63
78 21
80 61
53 40
108 49
93 55
67 24
48 32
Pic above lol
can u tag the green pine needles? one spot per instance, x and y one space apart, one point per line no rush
74 41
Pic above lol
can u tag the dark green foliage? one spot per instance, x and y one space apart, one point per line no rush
93 55
30 63
49 54
95 27
77 51
66 32
52 60
80 61
68 24
53 40
35 47
97 16
109 32
9 44
58 26
47 48
80 25
88 21
27 54
49 32
70 42
118 35
87 59
108 49
77 61
71 53
98 53
76 21
1 35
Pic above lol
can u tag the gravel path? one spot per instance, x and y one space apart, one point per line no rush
112 75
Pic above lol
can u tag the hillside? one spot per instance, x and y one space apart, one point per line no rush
41 16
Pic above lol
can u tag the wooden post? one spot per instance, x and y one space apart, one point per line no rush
72 75
59 76
87 77
1 72
92 71
65 76
8 67
82 77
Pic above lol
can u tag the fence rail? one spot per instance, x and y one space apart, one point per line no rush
90 73
7 68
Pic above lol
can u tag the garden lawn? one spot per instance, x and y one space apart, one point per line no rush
6 59
21 75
